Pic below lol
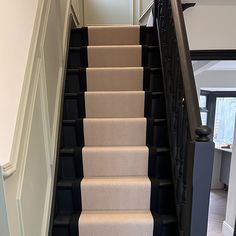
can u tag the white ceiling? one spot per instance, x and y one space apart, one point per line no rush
202 66
219 89
224 65
211 2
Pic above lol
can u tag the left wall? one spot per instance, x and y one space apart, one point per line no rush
16 24
34 91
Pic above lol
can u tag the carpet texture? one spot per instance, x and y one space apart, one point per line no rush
116 133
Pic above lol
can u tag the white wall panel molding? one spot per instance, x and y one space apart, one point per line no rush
45 113
47 208
56 118
76 12
25 148
144 7
48 156
66 25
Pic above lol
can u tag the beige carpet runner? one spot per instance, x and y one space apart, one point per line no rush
115 203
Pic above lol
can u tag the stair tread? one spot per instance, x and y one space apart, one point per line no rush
136 118
134 214
116 119
117 46
65 219
66 184
104 148
72 122
117 180
69 95
113 68
107 26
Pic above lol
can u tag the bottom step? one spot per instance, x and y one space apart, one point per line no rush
116 223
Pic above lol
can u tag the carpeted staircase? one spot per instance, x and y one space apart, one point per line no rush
114 170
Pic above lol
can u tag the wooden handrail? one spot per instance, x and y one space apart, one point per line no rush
191 99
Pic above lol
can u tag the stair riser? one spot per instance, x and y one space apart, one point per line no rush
113 105
141 228
114 79
73 135
155 165
159 201
116 132
162 199
91 57
64 202
105 132
106 105
167 229
160 136
61 231
143 36
125 56
115 162
117 195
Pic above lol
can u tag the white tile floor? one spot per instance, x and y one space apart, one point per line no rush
217 210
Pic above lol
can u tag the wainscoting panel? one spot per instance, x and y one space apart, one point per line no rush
28 178
36 174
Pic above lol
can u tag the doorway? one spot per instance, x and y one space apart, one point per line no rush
216 88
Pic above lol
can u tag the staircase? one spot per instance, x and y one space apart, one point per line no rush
114 168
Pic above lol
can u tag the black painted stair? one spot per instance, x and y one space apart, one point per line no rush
102 159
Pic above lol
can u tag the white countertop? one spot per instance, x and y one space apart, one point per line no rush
223 149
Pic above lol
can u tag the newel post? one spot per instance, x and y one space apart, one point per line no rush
203 151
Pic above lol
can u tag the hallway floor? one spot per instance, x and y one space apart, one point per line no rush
217 212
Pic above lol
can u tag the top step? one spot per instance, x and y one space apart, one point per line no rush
113 35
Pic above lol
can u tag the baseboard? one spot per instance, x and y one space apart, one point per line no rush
227 229
3 212
59 91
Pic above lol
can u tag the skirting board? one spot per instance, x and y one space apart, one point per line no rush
227 229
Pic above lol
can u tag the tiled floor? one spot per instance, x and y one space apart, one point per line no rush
217 211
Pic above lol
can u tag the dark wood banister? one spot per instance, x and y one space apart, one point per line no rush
191 150
186 69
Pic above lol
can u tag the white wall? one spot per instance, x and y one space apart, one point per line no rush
231 202
107 12
215 182
16 24
216 79
210 24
